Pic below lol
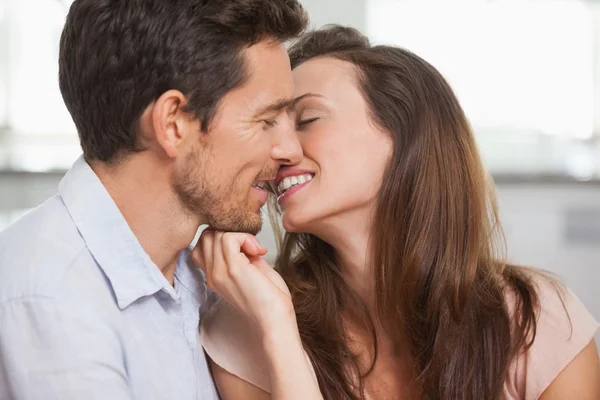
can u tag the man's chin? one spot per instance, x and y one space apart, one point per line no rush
251 225
251 229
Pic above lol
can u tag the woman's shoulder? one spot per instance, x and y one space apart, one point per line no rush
232 343
564 327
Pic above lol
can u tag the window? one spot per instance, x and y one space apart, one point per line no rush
3 63
36 130
35 104
527 73
517 66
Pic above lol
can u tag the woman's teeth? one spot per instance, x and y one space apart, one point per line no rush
293 181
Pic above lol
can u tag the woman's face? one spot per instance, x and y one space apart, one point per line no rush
345 154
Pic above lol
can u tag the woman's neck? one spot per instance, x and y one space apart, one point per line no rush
350 240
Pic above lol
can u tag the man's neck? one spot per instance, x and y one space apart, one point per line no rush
140 188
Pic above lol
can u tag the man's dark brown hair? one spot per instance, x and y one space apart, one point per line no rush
118 56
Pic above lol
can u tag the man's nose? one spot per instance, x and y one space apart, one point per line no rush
287 149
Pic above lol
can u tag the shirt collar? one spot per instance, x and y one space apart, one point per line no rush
191 277
109 238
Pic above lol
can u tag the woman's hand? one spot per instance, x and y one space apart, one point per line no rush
235 269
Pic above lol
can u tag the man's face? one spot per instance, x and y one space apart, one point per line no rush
252 135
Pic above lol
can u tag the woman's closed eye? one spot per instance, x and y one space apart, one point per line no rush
307 121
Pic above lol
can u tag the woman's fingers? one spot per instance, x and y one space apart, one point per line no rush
248 244
238 249
235 269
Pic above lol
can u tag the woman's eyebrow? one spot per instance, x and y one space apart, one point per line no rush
297 99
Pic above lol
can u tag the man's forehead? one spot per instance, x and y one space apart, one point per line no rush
270 82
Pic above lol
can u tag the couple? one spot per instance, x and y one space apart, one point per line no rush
387 285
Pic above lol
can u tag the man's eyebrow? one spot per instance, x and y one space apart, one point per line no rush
297 99
276 106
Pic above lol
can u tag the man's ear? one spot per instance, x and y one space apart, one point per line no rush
171 124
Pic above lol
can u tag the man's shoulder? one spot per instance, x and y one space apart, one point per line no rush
37 251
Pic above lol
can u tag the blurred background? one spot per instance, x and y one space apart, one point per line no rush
527 73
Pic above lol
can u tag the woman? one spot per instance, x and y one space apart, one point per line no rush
389 256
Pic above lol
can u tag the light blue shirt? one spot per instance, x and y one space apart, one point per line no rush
85 313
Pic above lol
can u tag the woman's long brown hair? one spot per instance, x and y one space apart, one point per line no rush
441 285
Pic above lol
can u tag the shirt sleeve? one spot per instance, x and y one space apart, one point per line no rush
52 351
231 342
564 328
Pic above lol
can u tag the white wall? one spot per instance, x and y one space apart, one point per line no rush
344 12
541 231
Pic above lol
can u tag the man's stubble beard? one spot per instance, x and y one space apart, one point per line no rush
214 205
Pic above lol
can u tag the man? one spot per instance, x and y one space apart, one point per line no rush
180 107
